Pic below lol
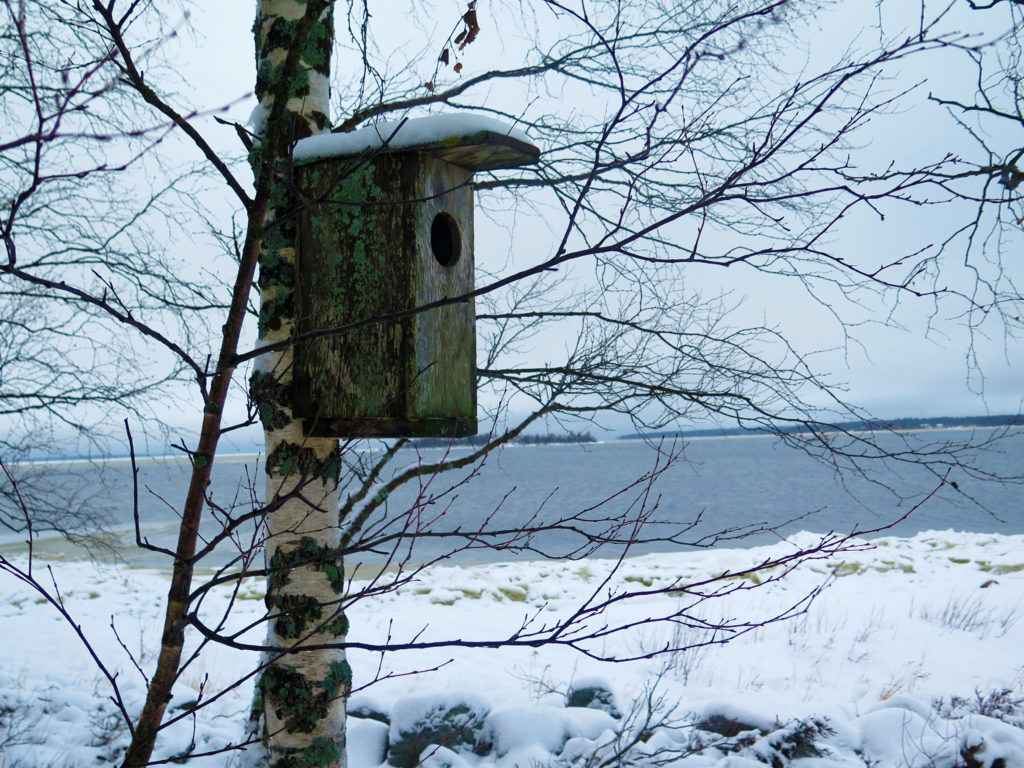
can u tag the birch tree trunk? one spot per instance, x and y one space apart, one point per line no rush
299 707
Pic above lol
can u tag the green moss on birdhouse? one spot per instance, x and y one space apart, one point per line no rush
367 250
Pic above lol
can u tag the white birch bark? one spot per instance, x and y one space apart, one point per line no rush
299 711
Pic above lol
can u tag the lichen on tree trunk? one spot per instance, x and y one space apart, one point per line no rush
299 706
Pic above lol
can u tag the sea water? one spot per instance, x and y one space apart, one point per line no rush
725 491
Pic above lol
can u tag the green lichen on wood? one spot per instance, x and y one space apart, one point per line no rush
320 753
275 310
317 55
277 266
364 252
323 752
352 226
339 678
325 559
270 397
279 230
354 266
256 711
306 702
338 626
320 120
293 698
297 613
298 461
276 33
276 271
273 33
299 702
300 87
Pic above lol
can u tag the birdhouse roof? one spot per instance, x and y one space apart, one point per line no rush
471 141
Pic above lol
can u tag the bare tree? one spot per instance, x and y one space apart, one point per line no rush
987 175
700 147
85 234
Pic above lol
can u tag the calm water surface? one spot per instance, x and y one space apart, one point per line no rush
728 483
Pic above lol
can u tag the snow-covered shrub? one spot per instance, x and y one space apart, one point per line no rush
801 738
454 720
17 720
972 614
367 708
727 719
442 757
595 693
1004 704
776 746
724 726
519 728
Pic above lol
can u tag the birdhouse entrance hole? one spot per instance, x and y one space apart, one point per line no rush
445 240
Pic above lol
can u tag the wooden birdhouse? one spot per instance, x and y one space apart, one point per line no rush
387 233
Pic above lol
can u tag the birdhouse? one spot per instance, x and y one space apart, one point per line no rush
385 255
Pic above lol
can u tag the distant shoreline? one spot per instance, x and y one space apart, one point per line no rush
127 460
235 458
899 426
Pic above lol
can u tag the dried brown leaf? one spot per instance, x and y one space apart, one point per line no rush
472 29
469 34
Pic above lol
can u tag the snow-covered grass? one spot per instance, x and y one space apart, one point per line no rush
910 658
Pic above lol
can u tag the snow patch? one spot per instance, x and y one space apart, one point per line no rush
518 727
868 658
367 741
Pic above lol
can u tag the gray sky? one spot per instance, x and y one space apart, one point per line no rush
912 362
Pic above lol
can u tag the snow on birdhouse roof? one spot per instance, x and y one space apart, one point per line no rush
472 141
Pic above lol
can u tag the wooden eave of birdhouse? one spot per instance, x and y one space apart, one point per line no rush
470 141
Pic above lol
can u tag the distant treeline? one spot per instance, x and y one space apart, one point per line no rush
932 422
528 439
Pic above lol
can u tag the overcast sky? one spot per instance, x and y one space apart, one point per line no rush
896 369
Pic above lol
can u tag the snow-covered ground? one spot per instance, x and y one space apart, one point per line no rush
913 656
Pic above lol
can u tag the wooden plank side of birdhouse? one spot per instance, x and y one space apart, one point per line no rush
354 267
377 238
446 336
